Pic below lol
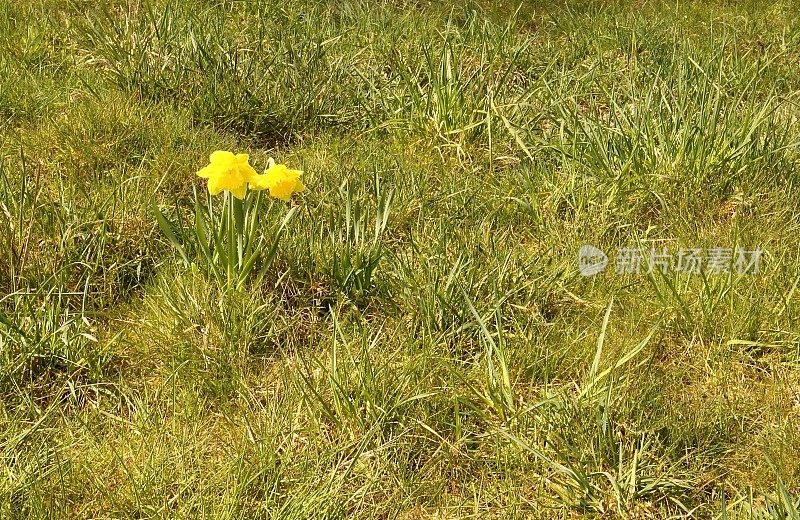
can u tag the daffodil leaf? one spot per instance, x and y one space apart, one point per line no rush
166 228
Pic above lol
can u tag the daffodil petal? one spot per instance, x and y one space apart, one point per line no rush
258 183
221 156
240 192
250 175
214 187
207 171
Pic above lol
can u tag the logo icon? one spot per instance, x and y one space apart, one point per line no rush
591 260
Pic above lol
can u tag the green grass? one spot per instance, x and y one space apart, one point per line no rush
423 345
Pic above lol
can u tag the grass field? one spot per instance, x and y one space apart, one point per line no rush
422 344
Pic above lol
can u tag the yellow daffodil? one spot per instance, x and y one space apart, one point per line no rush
280 181
228 172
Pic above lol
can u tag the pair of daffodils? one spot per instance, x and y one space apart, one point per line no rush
233 173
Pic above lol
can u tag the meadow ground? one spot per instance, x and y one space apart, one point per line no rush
423 344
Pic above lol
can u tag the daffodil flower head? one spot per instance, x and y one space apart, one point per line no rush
280 181
228 172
